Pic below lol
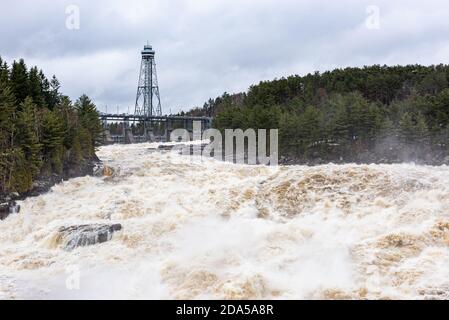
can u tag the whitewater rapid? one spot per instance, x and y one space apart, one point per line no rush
207 229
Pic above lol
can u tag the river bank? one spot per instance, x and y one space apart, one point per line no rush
8 202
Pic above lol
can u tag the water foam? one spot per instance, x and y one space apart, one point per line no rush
210 229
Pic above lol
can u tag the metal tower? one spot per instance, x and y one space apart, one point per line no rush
147 86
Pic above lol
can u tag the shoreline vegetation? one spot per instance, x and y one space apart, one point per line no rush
44 137
374 114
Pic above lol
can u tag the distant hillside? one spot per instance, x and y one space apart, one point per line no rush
369 114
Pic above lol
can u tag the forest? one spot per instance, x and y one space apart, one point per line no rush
373 114
42 133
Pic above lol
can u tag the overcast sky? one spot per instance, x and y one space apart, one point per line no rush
206 47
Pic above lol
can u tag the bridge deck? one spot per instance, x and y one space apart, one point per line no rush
154 127
111 116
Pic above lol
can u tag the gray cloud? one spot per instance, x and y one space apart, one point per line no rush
204 48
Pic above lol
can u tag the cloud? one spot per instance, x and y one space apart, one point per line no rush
204 48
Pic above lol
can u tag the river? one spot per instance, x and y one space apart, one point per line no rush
209 229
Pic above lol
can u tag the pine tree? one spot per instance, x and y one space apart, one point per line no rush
19 80
16 175
45 88
7 117
52 142
7 132
89 119
27 135
309 129
35 89
55 96
440 109
413 129
4 72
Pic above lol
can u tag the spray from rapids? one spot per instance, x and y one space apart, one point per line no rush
210 229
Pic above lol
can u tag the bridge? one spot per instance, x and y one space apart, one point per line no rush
147 123
141 128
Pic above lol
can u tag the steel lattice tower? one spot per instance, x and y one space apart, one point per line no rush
148 87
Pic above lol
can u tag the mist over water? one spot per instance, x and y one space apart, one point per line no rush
209 229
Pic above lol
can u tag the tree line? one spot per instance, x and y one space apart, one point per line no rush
41 131
370 114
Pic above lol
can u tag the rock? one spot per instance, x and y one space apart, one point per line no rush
165 147
85 235
98 169
108 171
7 208
14 208
4 210
103 170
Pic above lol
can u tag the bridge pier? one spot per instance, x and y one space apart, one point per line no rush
168 129
107 138
129 137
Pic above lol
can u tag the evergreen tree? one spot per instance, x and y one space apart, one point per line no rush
7 132
89 119
54 95
19 80
52 142
35 89
4 72
27 137
309 129
7 117
440 110
45 88
413 131
14 172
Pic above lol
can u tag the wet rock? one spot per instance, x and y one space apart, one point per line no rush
165 147
85 235
97 171
4 210
108 171
7 208
43 185
103 170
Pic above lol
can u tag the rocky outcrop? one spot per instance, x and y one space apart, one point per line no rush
4 210
182 148
8 207
165 147
75 236
105 171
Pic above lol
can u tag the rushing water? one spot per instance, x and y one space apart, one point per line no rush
210 229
